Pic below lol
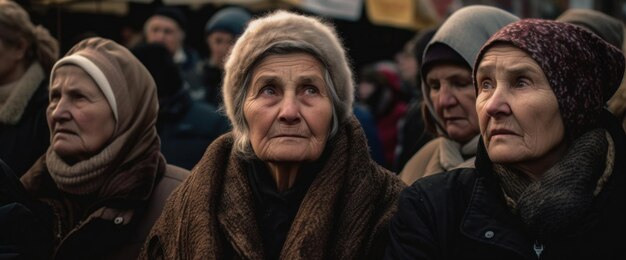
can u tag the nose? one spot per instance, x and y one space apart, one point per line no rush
447 97
289 110
497 104
60 111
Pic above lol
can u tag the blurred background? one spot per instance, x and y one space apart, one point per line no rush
372 30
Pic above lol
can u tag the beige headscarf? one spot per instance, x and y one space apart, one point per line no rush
131 93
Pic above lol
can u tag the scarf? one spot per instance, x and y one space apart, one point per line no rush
84 177
453 154
344 213
12 105
562 198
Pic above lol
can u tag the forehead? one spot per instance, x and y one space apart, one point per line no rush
444 70
162 21
300 62
505 55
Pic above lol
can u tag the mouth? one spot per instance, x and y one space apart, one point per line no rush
63 131
500 131
289 136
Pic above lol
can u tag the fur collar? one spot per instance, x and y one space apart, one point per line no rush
12 110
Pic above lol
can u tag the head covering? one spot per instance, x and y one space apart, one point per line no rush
464 32
279 27
423 38
173 13
131 93
15 24
232 20
607 27
583 70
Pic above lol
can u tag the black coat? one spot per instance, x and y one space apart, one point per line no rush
23 143
462 214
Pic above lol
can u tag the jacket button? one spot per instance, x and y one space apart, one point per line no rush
489 234
118 220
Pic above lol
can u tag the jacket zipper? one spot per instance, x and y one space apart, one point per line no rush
538 247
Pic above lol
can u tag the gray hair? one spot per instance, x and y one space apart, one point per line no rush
242 144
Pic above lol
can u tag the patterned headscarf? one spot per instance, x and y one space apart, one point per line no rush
583 70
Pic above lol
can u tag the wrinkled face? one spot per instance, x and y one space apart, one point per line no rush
219 43
163 30
288 109
518 112
454 98
79 116
407 64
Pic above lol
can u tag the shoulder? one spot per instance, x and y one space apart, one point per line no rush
447 191
416 166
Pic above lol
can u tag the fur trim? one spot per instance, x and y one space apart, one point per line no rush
12 110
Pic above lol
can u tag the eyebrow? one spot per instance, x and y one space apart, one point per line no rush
516 69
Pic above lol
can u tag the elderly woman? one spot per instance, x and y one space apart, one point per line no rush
294 179
103 174
27 53
448 92
549 181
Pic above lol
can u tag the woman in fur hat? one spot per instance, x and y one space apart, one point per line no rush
27 53
550 179
103 175
294 179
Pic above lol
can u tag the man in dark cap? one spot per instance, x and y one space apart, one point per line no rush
167 27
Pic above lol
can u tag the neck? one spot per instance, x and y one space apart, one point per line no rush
284 174
535 169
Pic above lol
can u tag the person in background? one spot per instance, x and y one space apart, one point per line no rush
103 175
550 179
294 179
611 30
27 53
448 92
186 127
167 26
413 134
221 32
379 91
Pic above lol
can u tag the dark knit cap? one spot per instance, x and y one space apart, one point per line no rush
173 13
232 20
439 53
583 70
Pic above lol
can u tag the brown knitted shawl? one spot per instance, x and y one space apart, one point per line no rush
343 215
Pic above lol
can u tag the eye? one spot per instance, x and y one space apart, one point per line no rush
434 86
461 83
311 90
268 90
522 82
486 85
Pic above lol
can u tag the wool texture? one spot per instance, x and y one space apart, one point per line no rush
344 214
583 70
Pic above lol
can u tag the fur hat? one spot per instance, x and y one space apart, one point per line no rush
583 70
282 26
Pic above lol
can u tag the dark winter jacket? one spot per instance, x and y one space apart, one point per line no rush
22 143
462 214
187 127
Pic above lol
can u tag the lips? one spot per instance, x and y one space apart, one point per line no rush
63 131
500 131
